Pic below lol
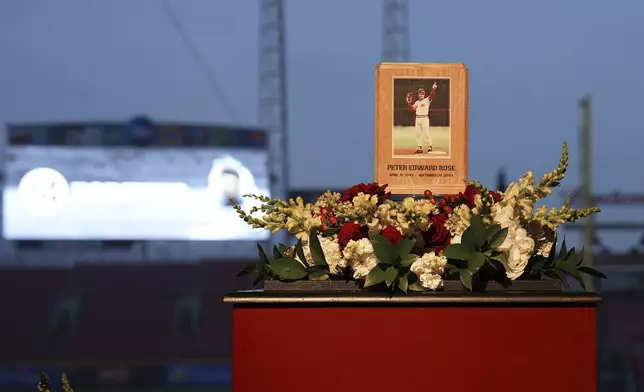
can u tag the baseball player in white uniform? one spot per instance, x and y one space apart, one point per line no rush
421 108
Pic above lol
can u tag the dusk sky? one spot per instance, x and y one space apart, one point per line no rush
529 62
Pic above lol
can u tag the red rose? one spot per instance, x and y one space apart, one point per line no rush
468 196
351 231
372 189
392 235
495 196
437 236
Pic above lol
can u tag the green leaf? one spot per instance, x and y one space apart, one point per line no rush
316 249
466 278
419 246
299 251
318 275
416 286
488 260
413 282
478 231
403 283
538 264
405 246
501 259
556 275
475 262
553 249
452 270
385 252
591 271
283 248
263 259
247 270
498 238
408 260
491 230
572 271
467 240
258 280
376 276
564 250
276 253
571 256
288 268
580 260
316 268
390 275
457 252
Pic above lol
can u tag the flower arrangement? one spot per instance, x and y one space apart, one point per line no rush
476 236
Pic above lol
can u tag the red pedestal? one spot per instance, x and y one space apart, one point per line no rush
439 342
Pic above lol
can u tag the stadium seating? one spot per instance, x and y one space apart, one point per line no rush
27 299
125 313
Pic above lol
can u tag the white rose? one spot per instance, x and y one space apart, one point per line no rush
516 261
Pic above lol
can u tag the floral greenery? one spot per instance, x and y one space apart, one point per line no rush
476 236
45 386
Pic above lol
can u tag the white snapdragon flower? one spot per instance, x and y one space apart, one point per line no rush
459 220
545 248
374 226
361 257
364 202
478 205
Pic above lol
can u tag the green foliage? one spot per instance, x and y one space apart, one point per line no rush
288 268
477 248
473 261
568 263
282 266
394 263
316 251
259 269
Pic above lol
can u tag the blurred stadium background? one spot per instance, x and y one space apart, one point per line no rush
143 310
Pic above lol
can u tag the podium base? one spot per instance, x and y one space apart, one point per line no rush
482 342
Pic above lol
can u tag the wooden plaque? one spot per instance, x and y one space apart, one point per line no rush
421 139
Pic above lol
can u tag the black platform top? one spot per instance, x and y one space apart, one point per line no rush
501 298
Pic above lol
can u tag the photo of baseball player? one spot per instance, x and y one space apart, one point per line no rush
229 180
421 118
